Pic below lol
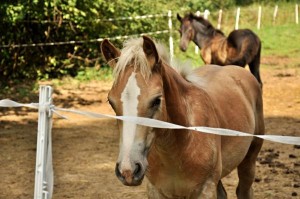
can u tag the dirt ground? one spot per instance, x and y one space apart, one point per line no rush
85 149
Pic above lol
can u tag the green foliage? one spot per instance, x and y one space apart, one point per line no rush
88 74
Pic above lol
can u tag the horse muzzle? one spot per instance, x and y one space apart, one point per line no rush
183 48
131 177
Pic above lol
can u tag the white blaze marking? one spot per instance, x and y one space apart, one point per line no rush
129 98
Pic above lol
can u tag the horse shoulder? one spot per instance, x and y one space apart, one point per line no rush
230 82
216 50
221 50
206 54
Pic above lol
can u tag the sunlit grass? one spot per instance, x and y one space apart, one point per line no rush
280 40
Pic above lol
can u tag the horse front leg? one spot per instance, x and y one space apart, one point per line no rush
206 55
207 191
221 191
213 191
153 193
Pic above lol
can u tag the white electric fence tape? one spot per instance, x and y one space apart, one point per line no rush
160 124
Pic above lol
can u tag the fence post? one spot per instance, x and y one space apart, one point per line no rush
296 14
171 38
43 187
275 14
220 19
206 14
237 18
196 47
259 17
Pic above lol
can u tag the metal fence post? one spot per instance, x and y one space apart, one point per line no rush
44 170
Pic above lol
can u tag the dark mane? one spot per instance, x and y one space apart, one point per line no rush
206 23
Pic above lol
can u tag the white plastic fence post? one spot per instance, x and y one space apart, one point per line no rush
206 13
198 13
296 14
237 18
259 17
171 38
196 47
220 19
275 14
44 170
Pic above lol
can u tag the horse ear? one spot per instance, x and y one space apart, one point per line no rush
110 52
191 16
179 17
150 51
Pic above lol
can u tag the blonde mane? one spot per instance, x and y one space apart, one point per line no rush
133 54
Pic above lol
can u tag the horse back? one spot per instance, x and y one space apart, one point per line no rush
234 92
238 38
237 100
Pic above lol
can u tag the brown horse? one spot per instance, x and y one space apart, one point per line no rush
182 163
240 48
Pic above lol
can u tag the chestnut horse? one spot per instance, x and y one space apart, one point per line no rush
240 48
182 163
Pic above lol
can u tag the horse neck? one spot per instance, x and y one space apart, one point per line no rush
178 109
202 37
170 144
175 89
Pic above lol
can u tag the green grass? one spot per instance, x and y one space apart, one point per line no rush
281 40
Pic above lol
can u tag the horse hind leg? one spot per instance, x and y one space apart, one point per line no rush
246 171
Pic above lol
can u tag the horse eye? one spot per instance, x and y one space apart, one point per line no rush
155 103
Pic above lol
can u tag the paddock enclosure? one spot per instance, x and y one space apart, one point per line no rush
85 149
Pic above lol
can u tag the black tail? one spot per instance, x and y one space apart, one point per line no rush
254 65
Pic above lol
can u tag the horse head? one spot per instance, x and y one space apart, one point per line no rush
186 31
136 91
194 28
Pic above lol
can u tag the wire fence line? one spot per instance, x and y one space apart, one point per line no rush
96 20
59 43
82 41
168 15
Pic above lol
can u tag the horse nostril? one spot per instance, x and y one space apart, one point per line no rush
117 171
137 170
